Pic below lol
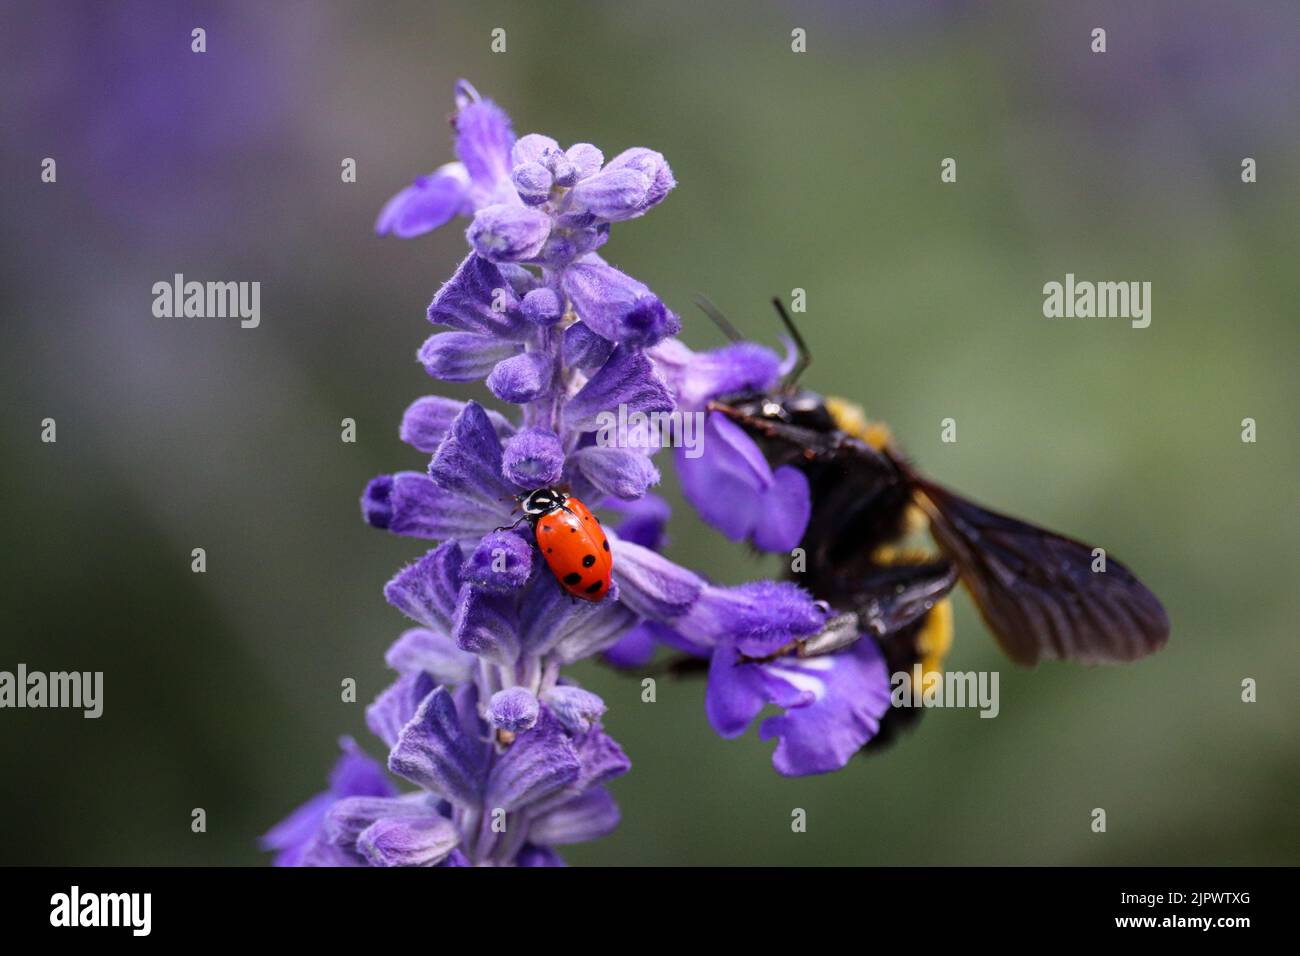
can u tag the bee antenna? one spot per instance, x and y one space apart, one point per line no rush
720 320
804 357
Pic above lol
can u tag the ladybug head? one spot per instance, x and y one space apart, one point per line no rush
537 503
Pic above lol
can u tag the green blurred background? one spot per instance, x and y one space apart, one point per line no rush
818 171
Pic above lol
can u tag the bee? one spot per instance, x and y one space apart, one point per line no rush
1043 595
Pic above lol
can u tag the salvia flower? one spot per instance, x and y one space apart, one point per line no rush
495 756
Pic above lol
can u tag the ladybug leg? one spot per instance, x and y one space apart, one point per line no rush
510 527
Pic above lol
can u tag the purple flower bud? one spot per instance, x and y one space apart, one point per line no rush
501 563
504 233
464 356
426 422
650 164
406 503
563 171
613 194
533 458
523 378
586 159
514 709
576 709
532 182
584 349
617 306
534 148
542 307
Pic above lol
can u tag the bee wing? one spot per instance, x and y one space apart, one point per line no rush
1037 591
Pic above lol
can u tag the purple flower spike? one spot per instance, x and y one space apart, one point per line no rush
506 233
616 306
514 709
533 458
734 489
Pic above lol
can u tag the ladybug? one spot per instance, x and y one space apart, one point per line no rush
571 540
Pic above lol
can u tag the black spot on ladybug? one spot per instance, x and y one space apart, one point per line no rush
606 544
549 550
572 578
573 531
588 560
547 527
595 587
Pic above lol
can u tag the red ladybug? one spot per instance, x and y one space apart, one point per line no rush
571 540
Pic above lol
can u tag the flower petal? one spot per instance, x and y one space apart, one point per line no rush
850 694
400 841
583 349
434 752
426 422
552 622
787 506
696 378
587 816
468 463
422 651
396 705
427 591
480 298
621 472
650 584
535 766
426 204
644 519
484 140
617 306
487 625
628 379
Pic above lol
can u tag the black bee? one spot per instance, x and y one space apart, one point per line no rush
1043 595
